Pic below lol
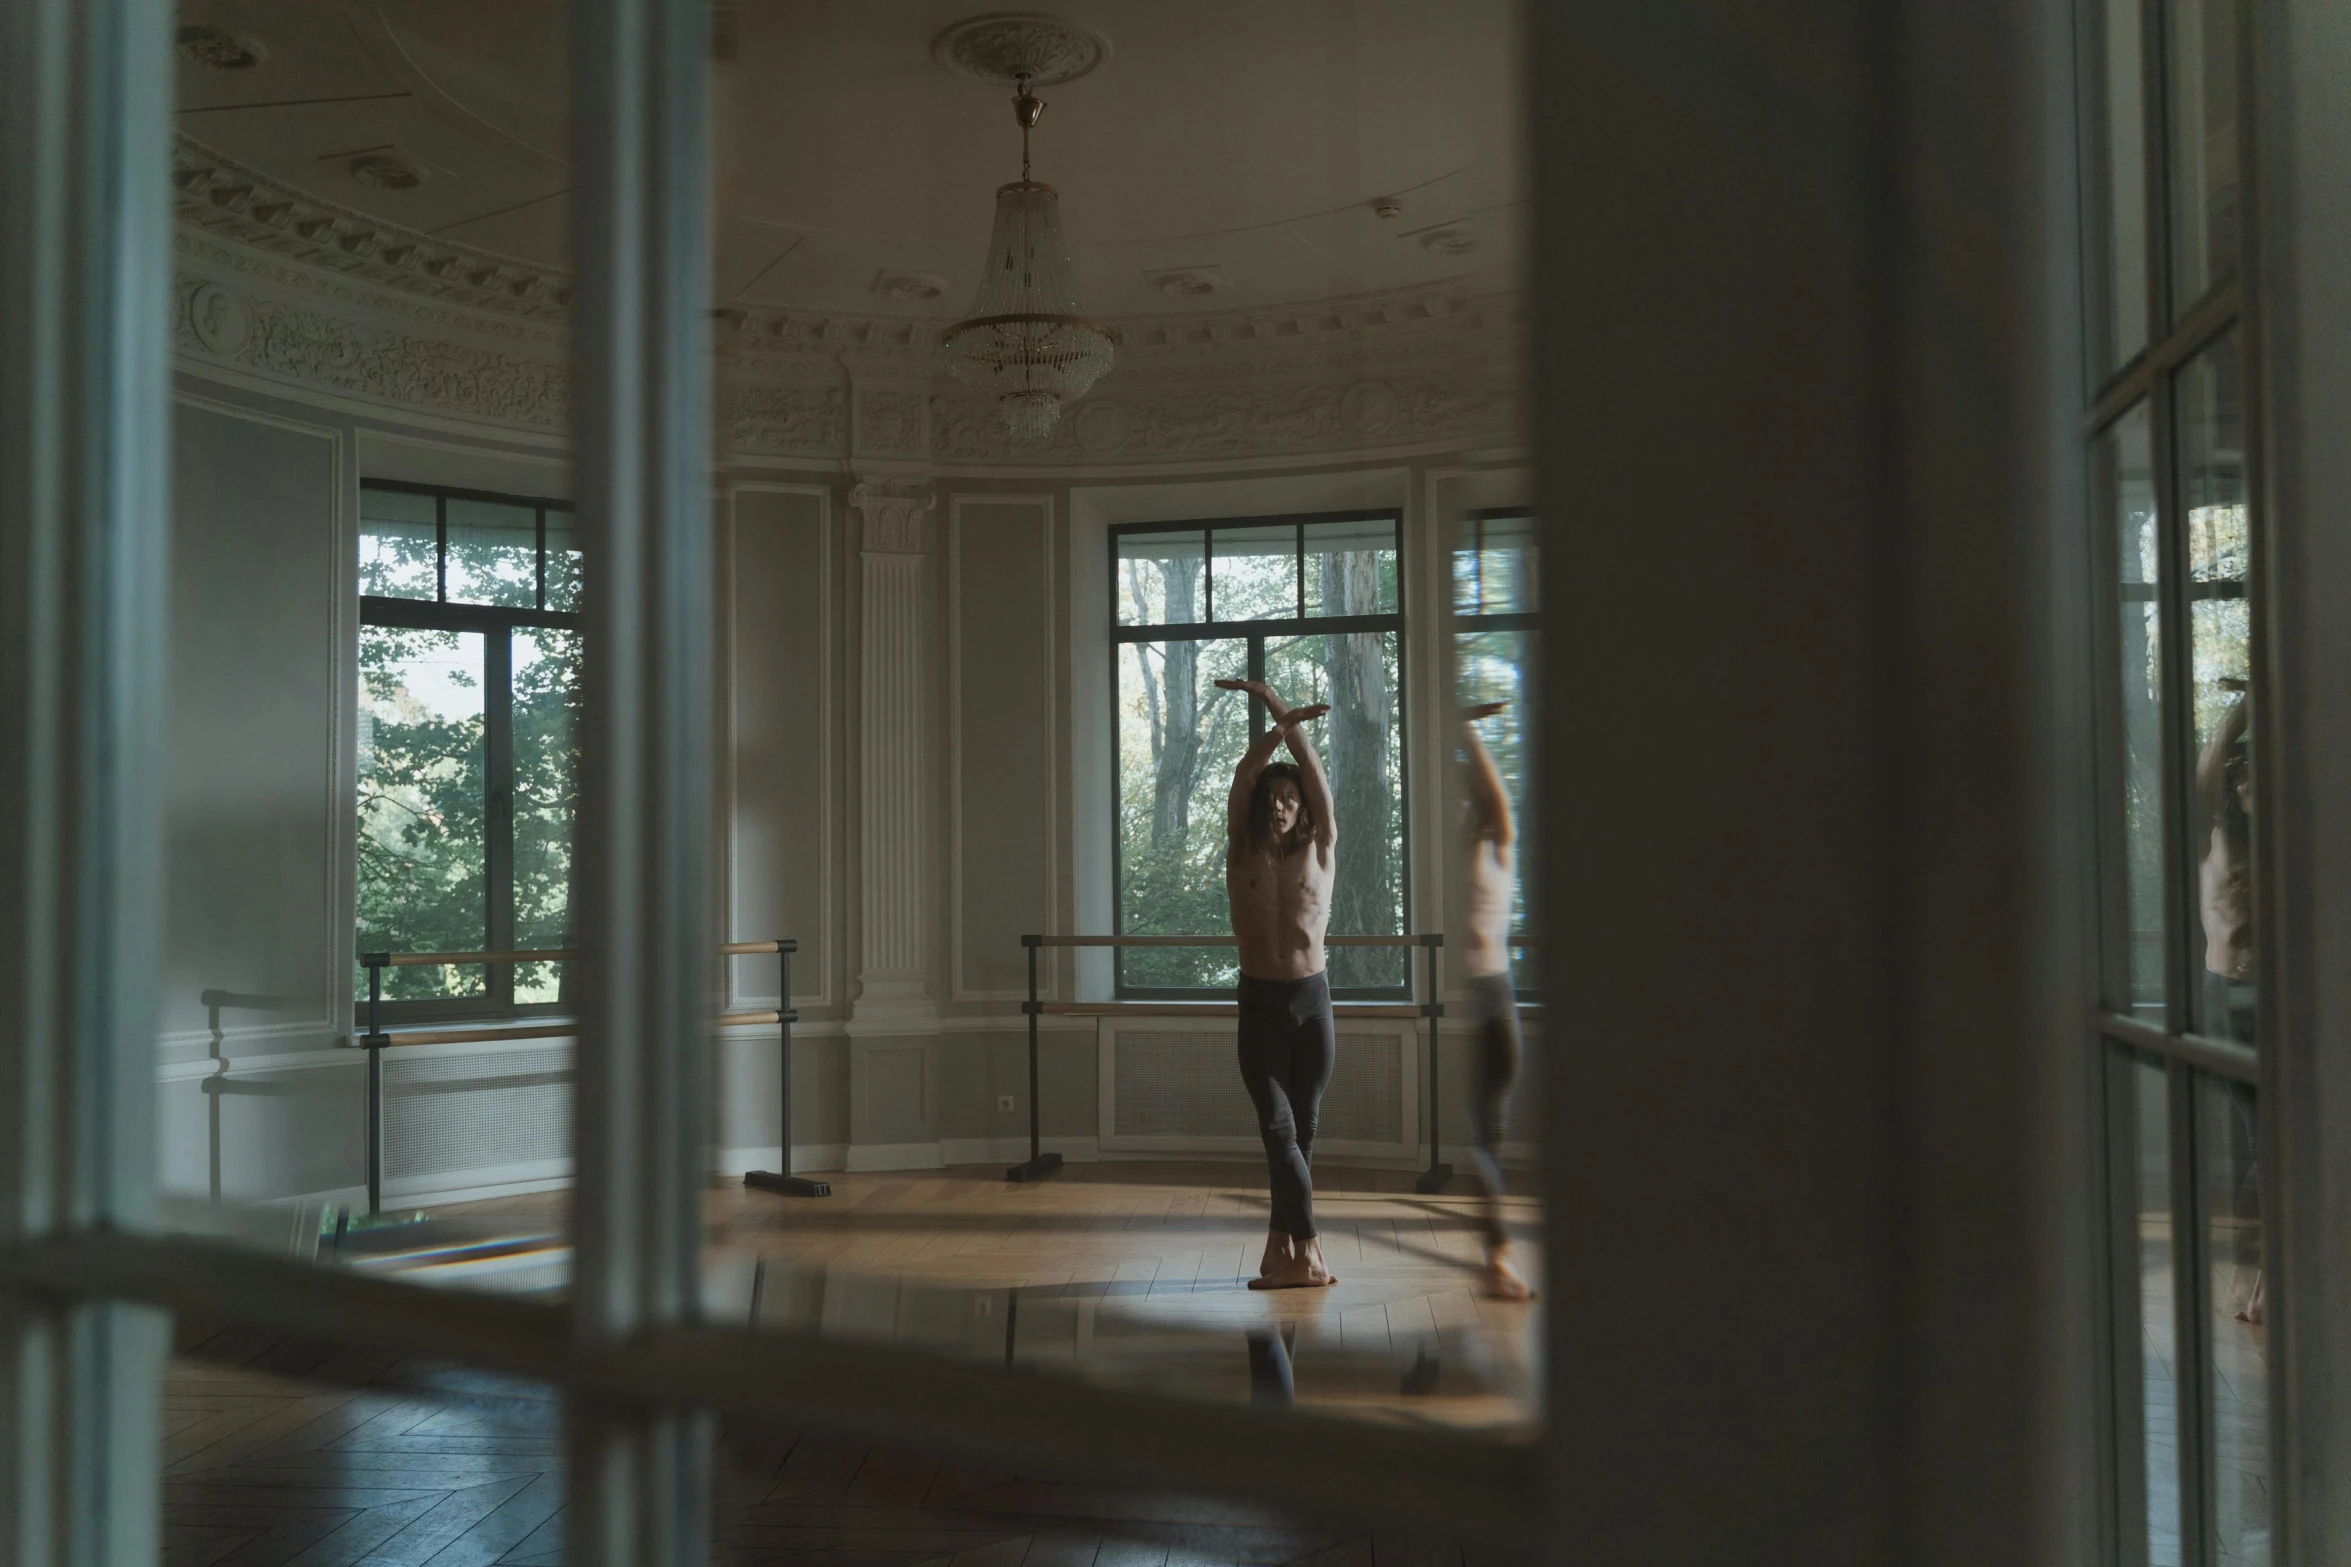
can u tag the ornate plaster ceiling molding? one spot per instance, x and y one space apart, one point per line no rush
300 293
1005 46
238 207
257 272
224 198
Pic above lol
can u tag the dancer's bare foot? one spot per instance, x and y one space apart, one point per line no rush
1502 1280
2251 1312
1278 1250
1301 1269
1476 711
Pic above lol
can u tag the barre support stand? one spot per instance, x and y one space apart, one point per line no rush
375 1040
784 1181
1040 1163
1435 1177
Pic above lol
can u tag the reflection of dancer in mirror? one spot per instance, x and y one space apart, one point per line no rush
1485 957
2224 889
1279 857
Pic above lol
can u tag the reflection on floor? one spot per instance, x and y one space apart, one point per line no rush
2240 1407
429 1464
1134 1273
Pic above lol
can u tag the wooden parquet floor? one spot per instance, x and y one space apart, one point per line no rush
281 1452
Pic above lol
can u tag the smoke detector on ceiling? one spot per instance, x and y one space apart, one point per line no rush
918 287
1387 206
385 172
218 49
1012 46
1187 282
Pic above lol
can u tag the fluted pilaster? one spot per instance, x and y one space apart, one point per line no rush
894 765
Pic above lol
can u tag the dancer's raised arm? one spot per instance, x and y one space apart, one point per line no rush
1313 787
1487 796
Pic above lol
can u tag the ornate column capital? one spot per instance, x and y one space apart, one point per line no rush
890 513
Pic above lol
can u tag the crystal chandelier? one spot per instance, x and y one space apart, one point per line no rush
1025 345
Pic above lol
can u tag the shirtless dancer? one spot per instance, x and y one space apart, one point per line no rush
1485 956
1279 841
2224 884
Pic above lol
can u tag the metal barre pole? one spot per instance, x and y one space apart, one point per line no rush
1411 940
1435 1177
1040 1163
466 959
375 962
781 1180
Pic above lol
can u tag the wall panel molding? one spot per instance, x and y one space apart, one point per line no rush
1047 684
322 1009
828 956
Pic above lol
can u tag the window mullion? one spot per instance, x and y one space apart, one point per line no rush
2183 933
640 136
2124 1310
498 807
2111 759
2155 154
1257 713
2191 1322
1301 579
441 549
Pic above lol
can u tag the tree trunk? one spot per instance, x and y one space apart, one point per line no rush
1363 892
1175 746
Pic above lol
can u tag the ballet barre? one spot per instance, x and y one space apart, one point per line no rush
1041 1164
375 1041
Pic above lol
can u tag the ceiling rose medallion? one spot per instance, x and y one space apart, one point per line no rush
1025 345
1006 46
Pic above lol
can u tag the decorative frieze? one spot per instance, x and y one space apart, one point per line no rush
784 419
889 423
1137 422
311 348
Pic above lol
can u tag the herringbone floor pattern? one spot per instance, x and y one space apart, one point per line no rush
280 1452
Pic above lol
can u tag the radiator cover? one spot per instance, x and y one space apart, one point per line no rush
1173 1085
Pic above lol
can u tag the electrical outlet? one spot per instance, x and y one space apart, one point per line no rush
1004 1104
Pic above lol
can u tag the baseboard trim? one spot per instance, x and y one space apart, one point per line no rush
824 1158
1000 1150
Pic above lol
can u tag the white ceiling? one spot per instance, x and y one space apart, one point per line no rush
1247 136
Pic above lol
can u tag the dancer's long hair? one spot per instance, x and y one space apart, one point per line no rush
1261 833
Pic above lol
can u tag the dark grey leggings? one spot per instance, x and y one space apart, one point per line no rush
1288 1049
1496 1009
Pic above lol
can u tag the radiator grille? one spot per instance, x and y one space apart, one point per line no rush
1186 1083
450 1115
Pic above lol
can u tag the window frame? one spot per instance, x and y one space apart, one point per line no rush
2178 331
1255 634
1520 621
496 625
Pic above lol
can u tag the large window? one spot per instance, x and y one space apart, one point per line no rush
1495 656
1314 606
2181 710
469 652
